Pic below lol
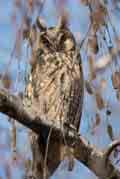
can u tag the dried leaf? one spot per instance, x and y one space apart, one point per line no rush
93 44
13 140
13 137
6 80
118 95
84 2
117 40
88 87
116 80
91 68
99 101
98 17
103 83
97 120
17 3
96 123
30 4
110 131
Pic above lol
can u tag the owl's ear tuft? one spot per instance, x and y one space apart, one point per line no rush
41 24
63 20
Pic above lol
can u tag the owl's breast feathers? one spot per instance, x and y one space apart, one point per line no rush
56 84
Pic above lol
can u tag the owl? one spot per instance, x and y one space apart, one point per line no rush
54 90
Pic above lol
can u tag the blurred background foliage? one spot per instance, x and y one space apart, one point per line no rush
96 27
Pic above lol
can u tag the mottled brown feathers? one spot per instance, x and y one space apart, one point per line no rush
55 85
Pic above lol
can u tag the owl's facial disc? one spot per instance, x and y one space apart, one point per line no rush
62 41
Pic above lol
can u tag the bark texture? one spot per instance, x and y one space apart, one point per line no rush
96 160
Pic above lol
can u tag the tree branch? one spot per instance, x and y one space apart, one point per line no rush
91 157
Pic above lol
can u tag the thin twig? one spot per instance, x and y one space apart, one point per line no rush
110 149
86 35
83 151
46 154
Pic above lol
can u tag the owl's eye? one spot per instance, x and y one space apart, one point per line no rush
47 42
66 43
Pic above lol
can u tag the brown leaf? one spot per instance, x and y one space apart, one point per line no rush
116 80
6 80
13 136
95 123
99 101
30 4
88 87
91 68
103 83
110 131
17 3
13 140
98 17
118 95
93 44
97 120
85 2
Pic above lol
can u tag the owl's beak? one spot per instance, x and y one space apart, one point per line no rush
41 24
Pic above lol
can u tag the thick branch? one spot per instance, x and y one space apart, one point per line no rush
91 157
13 107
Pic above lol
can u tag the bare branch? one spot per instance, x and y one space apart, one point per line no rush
110 149
91 157
12 106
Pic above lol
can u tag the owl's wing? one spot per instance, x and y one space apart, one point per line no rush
57 89
76 93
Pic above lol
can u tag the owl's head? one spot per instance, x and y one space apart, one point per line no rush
52 39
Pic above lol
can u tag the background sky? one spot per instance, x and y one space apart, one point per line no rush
79 25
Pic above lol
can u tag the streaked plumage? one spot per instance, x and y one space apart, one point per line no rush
55 85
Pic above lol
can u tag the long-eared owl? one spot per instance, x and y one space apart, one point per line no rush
55 87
